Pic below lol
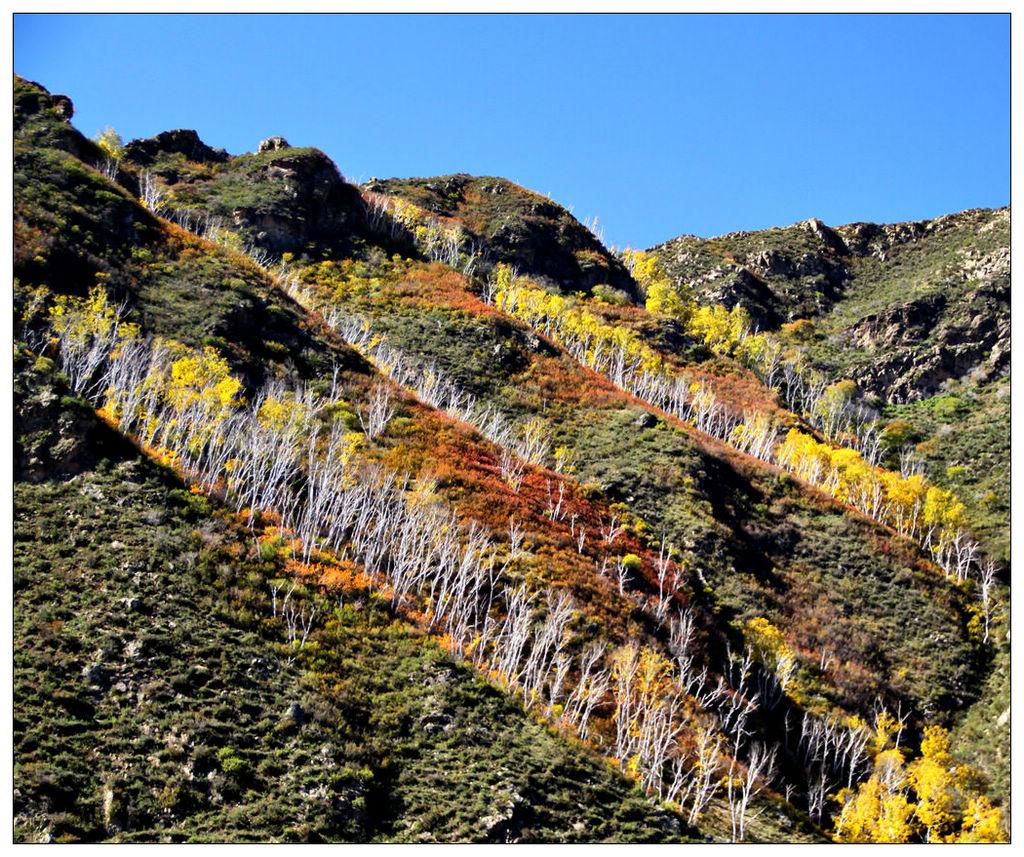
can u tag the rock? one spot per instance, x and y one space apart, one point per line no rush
441 676
262 668
667 821
899 325
63 105
183 141
520 228
273 144
498 826
922 344
828 236
731 285
31 98
108 808
95 674
435 722
93 492
772 263
1004 718
646 420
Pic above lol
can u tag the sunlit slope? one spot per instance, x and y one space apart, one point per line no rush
622 530
162 253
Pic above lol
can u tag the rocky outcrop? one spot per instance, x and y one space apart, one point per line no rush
63 107
901 325
942 285
49 117
31 98
734 285
827 236
774 286
921 345
273 144
777 275
878 239
56 435
182 141
297 198
282 199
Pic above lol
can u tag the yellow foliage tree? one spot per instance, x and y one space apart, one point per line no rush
111 143
81 319
878 810
645 267
771 649
664 299
721 329
284 413
929 800
88 330
202 377
203 392
662 296
982 822
933 778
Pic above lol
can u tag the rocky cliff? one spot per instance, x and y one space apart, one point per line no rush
901 308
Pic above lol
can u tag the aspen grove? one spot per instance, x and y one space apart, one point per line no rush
287 452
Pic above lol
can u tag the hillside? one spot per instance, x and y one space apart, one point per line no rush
917 314
399 518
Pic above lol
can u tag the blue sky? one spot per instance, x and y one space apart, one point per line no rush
657 125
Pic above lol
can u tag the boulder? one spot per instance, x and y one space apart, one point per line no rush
95 674
273 144
436 721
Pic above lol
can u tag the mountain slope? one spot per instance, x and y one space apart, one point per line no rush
662 545
158 698
522 801
917 314
516 226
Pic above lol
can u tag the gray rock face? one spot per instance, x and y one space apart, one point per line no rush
95 674
273 144
900 325
924 343
775 283
827 236
295 198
